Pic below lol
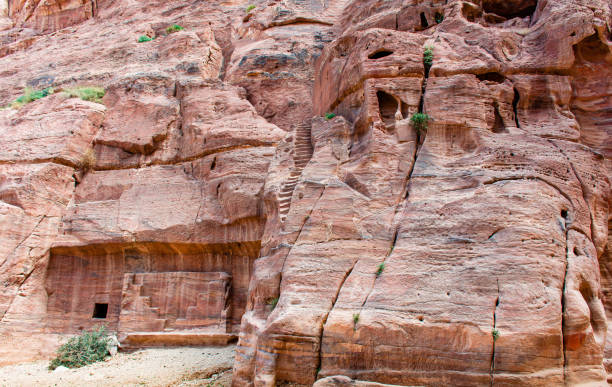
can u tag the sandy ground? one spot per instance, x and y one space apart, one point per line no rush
210 366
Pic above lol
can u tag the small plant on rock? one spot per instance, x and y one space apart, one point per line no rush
88 160
428 56
249 8
329 116
89 347
380 269
31 95
86 93
355 318
420 122
173 28
439 18
272 301
495 334
144 38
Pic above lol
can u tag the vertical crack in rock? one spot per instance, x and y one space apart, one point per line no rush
324 321
419 142
495 334
394 241
27 274
563 300
178 95
515 102
280 279
583 188
197 214
406 193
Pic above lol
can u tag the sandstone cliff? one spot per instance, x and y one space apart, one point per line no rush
214 195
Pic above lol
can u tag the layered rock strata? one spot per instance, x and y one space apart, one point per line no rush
466 254
142 212
201 200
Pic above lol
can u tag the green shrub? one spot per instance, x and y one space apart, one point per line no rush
249 8
173 28
355 319
428 56
439 17
329 116
420 122
30 95
89 347
495 334
86 93
144 38
272 302
381 268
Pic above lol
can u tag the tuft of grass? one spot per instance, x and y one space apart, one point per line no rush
380 269
428 56
272 302
87 348
355 319
31 95
329 116
173 28
495 334
249 8
88 160
420 122
86 93
144 38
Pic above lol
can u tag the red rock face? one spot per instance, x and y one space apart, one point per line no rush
48 16
202 201
463 255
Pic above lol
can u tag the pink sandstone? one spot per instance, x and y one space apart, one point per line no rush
212 195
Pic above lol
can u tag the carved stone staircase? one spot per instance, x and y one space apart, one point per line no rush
301 156
142 314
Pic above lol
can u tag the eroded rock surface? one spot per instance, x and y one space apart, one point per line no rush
467 254
211 195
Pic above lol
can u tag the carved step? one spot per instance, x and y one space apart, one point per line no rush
302 153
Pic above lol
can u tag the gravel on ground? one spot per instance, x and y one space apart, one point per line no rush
159 367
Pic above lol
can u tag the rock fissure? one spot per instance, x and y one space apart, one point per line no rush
495 334
381 267
26 275
515 102
324 321
583 188
280 280
564 302
43 217
526 177
194 147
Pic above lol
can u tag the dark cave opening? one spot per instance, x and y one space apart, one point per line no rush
492 77
591 49
387 106
510 10
424 23
100 311
380 54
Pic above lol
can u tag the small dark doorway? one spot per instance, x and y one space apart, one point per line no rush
100 310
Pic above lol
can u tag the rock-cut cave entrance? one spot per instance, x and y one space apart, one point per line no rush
154 291
100 311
